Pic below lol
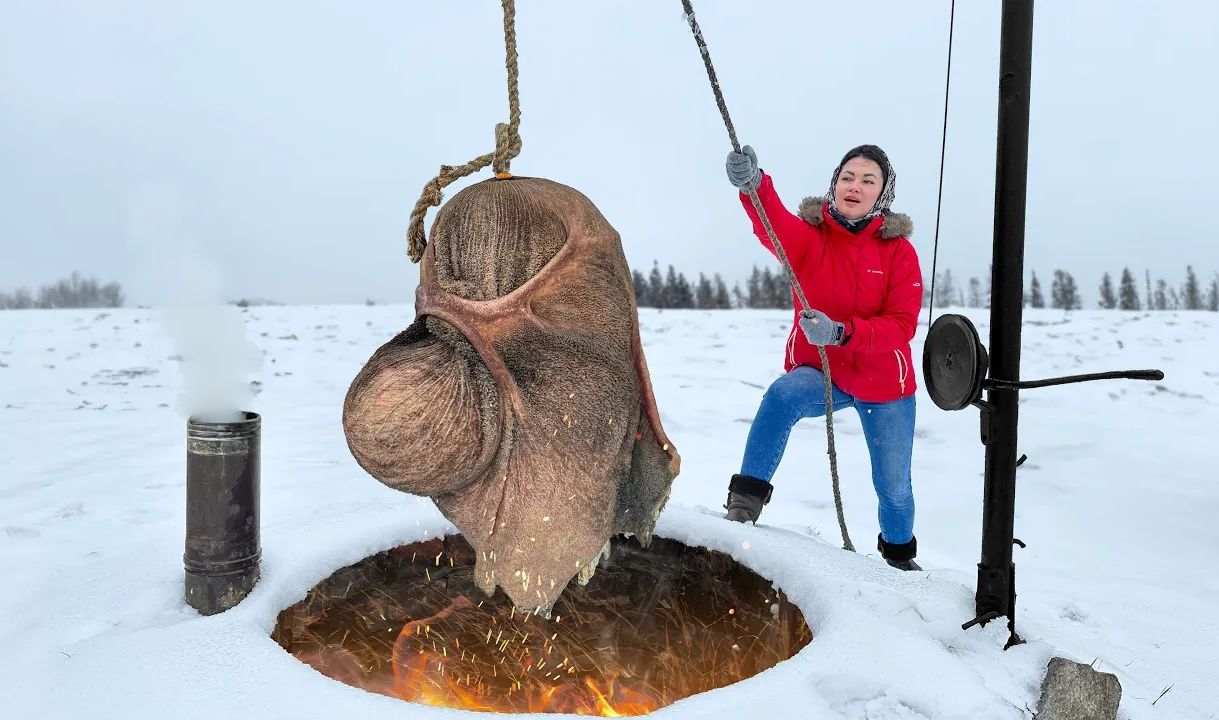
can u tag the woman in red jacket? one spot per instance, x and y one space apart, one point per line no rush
856 266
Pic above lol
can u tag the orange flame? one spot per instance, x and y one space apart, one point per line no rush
424 678
457 681
607 653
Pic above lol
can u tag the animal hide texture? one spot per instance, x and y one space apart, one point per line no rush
519 399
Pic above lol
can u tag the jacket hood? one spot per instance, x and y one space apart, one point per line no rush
895 225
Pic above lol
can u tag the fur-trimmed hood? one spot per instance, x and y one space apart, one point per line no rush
895 225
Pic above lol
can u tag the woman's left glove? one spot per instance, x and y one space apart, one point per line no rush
819 329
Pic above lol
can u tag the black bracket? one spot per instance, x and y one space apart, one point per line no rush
986 419
982 619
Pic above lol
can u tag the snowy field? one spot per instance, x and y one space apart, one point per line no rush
1118 503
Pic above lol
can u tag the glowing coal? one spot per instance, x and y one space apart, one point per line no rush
651 627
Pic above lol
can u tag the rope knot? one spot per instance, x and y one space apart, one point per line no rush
507 146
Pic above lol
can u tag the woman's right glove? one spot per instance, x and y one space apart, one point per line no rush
743 170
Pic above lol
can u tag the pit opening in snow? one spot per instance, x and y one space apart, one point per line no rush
653 626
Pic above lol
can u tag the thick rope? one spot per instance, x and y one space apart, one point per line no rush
507 145
791 275
939 202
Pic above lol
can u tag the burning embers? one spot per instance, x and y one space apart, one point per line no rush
651 627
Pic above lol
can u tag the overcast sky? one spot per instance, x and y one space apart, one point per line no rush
287 142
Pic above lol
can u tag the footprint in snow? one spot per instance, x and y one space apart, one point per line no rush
20 532
69 511
1072 613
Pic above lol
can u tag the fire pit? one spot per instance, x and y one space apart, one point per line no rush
653 626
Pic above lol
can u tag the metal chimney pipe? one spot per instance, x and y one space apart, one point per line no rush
222 487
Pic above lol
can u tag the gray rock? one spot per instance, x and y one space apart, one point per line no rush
1073 691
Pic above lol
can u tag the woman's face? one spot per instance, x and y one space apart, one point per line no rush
858 186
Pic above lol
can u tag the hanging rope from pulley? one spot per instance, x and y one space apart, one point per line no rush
507 146
939 200
791 275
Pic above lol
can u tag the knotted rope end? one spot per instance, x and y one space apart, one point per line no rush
416 240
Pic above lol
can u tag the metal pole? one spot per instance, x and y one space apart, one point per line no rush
996 573
222 538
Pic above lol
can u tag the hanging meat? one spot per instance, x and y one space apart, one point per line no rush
519 399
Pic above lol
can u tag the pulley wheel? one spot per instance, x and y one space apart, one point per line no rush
954 362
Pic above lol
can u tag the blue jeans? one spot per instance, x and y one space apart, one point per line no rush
888 428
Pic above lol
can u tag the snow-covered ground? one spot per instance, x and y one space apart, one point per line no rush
1118 503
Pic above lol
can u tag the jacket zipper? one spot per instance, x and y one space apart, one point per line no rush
902 370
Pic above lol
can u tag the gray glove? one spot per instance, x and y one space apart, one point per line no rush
819 329
743 170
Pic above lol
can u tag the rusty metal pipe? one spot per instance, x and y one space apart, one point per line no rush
222 488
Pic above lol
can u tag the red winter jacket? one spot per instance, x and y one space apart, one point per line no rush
870 281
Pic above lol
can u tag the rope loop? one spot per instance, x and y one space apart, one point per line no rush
507 146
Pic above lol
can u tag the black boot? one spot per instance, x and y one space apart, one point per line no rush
899 556
746 496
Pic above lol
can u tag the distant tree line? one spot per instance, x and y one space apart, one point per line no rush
70 292
768 288
1064 293
764 289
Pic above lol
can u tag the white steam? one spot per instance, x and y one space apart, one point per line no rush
217 359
